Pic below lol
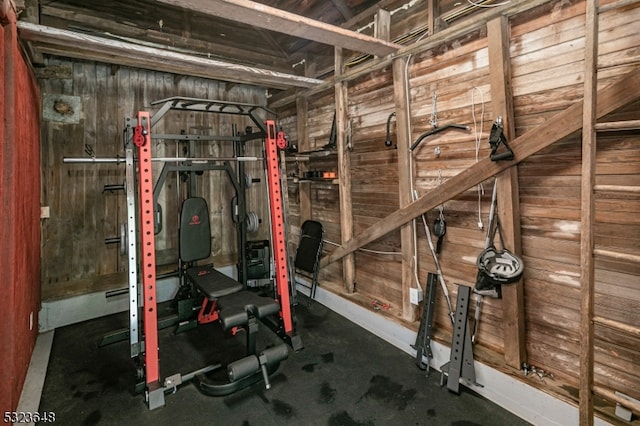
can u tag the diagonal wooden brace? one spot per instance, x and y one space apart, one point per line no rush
554 129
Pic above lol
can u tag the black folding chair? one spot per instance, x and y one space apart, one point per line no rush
308 253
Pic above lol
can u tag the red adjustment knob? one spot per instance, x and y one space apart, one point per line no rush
139 136
281 140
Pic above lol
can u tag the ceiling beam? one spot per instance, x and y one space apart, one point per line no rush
82 46
552 130
262 16
343 8
78 20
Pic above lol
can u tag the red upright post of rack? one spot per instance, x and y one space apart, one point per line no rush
277 226
142 139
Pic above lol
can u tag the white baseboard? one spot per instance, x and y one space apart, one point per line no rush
71 310
521 399
34 382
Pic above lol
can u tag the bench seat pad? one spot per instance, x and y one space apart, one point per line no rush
236 308
212 283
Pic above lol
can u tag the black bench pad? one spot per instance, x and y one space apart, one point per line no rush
212 283
236 308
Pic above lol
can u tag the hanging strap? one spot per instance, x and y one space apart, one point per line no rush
495 227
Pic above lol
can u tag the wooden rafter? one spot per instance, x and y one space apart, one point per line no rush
554 129
82 46
343 8
267 17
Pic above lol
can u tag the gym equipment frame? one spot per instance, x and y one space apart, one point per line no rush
143 224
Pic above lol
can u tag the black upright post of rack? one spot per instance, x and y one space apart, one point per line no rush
460 364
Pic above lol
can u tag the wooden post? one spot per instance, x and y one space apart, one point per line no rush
304 188
408 243
382 24
344 171
508 191
587 207
434 12
302 110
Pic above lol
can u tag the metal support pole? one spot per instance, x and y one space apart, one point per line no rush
132 253
277 226
241 195
142 139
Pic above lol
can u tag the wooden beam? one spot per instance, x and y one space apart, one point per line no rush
618 326
588 213
343 8
152 37
618 126
344 174
262 16
403 136
613 396
365 15
75 45
508 191
554 129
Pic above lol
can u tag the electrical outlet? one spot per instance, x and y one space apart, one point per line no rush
415 295
45 212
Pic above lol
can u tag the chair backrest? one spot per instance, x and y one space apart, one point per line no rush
310 246
195 230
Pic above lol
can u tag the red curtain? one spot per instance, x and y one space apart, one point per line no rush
19 212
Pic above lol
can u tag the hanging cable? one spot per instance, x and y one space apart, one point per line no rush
477 132
388 253
414 197
441 206
488 5
413 192
445 290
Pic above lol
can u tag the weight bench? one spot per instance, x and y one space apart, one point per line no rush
226 301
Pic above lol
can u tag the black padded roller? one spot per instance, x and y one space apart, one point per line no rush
274 355
242 368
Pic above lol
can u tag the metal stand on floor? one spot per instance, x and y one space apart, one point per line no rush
460 364
423 339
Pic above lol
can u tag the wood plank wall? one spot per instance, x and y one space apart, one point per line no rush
547 53
75 259
547 60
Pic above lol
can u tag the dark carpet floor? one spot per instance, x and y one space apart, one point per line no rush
343 376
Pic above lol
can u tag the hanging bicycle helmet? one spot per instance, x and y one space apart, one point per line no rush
500 266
